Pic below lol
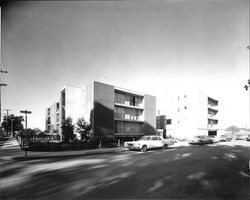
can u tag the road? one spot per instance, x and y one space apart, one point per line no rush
215 171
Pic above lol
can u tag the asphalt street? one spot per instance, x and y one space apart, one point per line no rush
217 171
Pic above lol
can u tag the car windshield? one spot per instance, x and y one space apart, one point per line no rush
145 138
199 137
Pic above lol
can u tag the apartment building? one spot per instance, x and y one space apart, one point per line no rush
191 114
111 110
52 118
70 103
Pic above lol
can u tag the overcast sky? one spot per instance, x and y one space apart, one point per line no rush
148 46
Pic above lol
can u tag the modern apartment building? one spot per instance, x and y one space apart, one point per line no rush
52 118
191 114
70 103
112 111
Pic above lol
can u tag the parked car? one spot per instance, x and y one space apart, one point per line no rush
239 137
200 139
248 138
225 138
149 142
214 138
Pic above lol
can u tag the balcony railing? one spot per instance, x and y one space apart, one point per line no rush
139 106
212 126
131 119
212 116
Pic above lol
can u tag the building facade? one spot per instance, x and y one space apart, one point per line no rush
190 114
70 104
113 112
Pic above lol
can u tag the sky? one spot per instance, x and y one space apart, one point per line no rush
154 47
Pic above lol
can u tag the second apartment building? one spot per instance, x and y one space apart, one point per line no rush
189 114
112 111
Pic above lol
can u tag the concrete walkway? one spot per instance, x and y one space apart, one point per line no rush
11 143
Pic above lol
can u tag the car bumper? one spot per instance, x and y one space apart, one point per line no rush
132 147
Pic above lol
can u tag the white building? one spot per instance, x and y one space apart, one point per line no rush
113 112
190 114
70 104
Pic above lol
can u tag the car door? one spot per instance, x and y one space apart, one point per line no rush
155 142
152 142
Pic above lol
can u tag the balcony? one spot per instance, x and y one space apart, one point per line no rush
212 117
212 126
139 107
128 118
212 123
212 110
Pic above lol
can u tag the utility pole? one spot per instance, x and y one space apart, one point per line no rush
7 121
248 84
12 131
1 84
25 112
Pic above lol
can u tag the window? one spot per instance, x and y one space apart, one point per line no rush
154 138
169 121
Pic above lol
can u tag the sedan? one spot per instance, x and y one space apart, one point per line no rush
200 139
214 138
149 142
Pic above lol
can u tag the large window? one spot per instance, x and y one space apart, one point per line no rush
127 113
128 127
127 99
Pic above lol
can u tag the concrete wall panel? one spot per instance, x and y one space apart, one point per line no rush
103 110
150 114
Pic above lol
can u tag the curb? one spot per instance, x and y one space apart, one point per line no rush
43 155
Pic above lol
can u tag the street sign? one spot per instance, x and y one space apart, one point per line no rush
25 111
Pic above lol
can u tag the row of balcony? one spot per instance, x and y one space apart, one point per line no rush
127 105
128 117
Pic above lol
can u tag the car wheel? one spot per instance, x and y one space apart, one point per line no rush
165 146
144 148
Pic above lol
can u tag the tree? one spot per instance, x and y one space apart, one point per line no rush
84 129
29 132
14 121
233 129
68 130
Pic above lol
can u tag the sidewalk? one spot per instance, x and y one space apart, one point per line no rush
18 153
11 143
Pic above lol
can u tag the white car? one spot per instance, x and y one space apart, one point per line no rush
214 138
200 139
149 142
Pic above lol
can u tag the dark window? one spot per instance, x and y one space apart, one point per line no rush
154 138
169 121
